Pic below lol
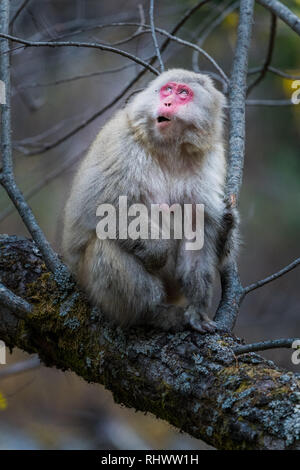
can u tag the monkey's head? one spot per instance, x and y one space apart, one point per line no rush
179 106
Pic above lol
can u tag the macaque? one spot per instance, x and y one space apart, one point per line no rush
164 147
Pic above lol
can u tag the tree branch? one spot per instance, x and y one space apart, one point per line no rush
272 277
286 15
271 103
16 304
276 71
156 46
188 379
20 367
264 345
89 45
171 37
231 287
7 176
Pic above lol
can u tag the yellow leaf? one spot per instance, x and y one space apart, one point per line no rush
3 402
231 20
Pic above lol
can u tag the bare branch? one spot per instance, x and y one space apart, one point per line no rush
196 48
20 367
19 307
8 179
272 277
92 45
276 71
232 291
189 44
269 55
156 46
283 13
264 345
270 103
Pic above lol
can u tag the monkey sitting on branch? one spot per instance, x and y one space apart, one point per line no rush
164 148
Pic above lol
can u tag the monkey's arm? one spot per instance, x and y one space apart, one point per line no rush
228 239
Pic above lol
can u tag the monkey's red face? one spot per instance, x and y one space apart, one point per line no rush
173 97
178 107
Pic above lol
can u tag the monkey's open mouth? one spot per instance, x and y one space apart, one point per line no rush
163 119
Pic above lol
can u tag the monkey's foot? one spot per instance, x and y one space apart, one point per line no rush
199 321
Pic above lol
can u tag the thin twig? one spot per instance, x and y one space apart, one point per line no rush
20 367
269 55
92 45
264 345
14 303
183 42
276 71
272 277
270 103
196 48
153 32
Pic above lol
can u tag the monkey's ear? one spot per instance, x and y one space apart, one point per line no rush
207 82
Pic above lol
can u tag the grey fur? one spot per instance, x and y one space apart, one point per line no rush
140 282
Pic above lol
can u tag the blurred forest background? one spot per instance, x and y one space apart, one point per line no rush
49 409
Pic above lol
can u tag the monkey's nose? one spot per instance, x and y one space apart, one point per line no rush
168 104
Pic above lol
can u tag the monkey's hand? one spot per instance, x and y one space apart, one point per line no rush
228 241
199 321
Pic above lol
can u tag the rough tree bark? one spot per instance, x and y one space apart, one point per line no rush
193 381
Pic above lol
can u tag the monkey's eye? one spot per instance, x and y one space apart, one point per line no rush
169 88
183 92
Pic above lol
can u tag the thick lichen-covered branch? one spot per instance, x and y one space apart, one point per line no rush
193 381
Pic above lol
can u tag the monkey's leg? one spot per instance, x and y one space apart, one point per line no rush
119 283
196 271
125 291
